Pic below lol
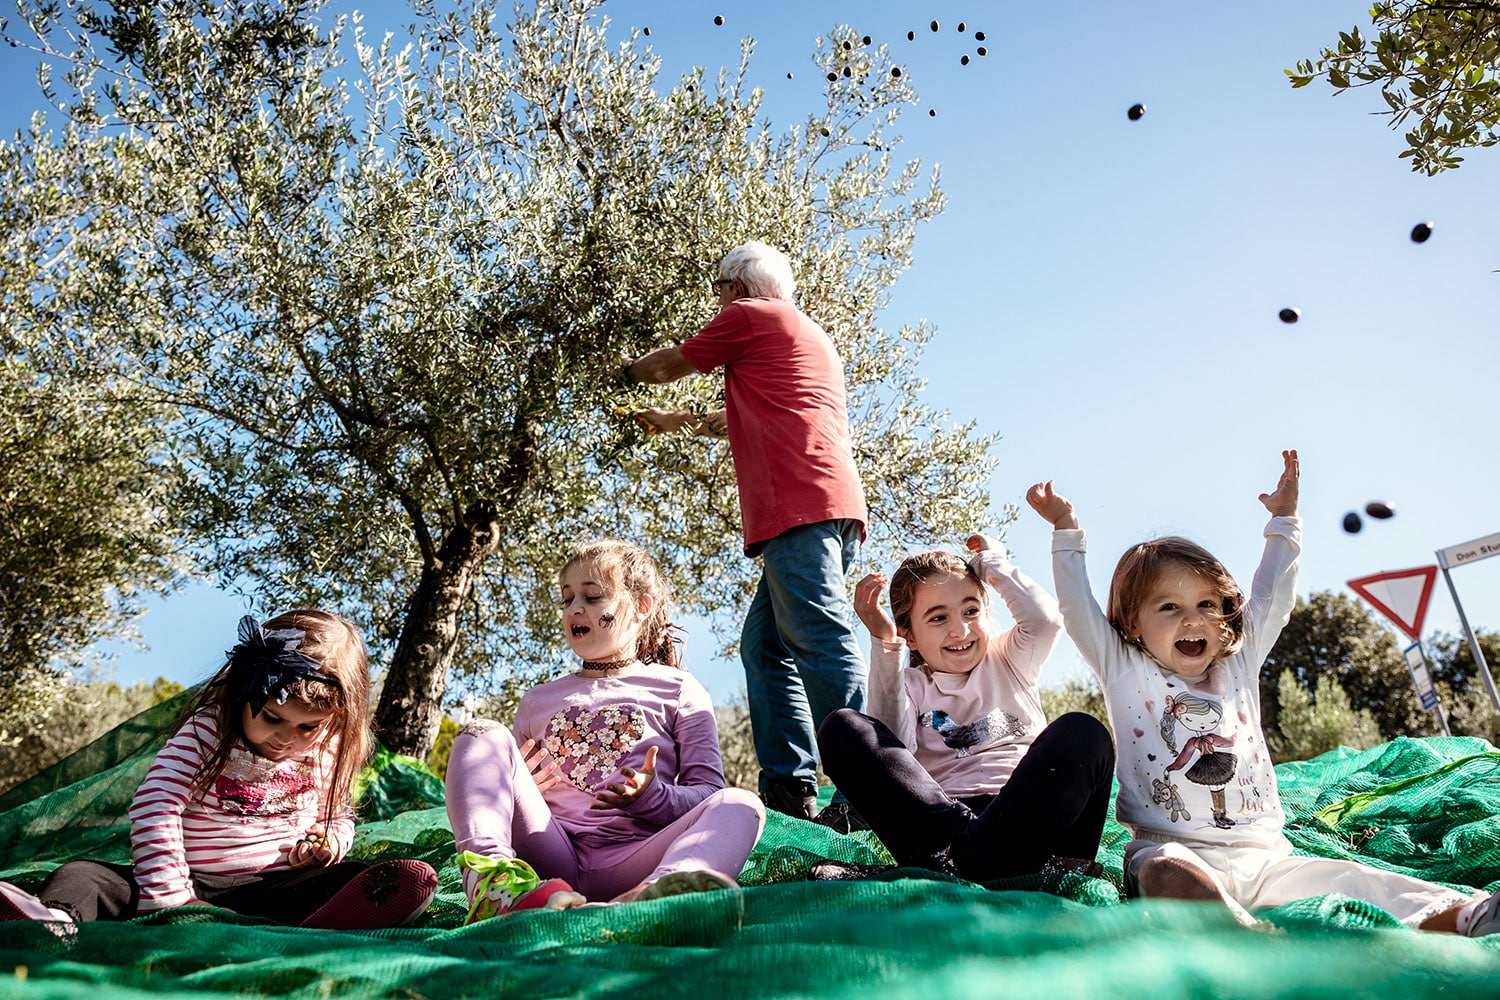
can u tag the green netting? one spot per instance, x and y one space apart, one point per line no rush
1429 807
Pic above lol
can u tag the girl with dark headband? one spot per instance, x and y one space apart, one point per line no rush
247 807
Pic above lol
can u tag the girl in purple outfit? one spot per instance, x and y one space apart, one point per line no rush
611 786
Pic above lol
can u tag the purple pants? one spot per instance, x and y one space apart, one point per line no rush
496 810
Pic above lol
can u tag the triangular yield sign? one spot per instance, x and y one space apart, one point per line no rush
1401 595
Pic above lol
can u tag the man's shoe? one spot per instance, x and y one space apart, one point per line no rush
841 817
791 796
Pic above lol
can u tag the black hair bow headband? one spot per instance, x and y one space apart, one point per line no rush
263 663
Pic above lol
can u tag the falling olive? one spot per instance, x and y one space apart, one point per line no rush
933 26
1135 112
1290 315
848 46
1352 523
832 77
982 51
932 112
1420 232
848 71
865 40
911 36
646 32
1379 510
978 36
719 19
789 76
963 61
895 71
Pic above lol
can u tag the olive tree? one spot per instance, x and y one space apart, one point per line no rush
386 287
1437 64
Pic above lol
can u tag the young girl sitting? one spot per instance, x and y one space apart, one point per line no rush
612 782
1179 656
247 806
957 770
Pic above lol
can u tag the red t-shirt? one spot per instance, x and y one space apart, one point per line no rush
788 423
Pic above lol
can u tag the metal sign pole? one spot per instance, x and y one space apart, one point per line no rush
1484 669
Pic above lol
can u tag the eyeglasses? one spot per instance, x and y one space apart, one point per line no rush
721 282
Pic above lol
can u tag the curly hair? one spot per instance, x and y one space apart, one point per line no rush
918 569
1142 565
629 569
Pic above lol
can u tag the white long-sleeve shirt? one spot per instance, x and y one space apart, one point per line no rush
969 731
1160 798
248 821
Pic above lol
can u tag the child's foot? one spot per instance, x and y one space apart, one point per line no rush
1175 878
390 894
678 883
499 886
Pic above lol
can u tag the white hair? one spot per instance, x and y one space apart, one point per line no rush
761 268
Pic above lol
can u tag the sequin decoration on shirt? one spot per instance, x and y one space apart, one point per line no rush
588 743
965 736
251 785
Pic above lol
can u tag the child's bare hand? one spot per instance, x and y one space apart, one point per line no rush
541 764
312 851
1055 509
983 543
1283 502
867 606
619 794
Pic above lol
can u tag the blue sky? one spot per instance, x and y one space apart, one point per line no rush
1106 291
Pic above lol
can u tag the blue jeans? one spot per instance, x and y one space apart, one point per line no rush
802 661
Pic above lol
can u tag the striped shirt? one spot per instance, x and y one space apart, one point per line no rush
248 821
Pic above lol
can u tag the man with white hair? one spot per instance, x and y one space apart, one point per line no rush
802 509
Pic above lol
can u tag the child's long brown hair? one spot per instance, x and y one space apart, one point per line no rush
628 568
918 569
336 646
1136 573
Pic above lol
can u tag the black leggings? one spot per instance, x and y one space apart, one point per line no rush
1053 805
93 890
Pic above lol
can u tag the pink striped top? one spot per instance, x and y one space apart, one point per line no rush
248 821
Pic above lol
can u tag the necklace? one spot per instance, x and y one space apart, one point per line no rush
606 667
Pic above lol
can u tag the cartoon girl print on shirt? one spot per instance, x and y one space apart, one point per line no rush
1213 768
252 786
588 743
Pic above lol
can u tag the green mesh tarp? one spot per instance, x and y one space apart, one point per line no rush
1429 807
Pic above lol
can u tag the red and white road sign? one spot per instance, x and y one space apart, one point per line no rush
1401 595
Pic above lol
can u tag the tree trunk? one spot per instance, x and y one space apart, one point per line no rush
411 700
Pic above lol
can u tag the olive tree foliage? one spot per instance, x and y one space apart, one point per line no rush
1336 636
388 297
46 717
85 532
1461 691
1437 64
1314 722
